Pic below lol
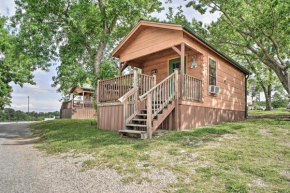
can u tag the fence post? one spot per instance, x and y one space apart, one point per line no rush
177 99
149 116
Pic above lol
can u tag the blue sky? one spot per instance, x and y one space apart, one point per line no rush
43 97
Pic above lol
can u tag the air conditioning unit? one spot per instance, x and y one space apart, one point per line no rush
214 89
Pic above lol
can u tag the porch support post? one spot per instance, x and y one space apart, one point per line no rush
182 69
136 93
120 69
177 100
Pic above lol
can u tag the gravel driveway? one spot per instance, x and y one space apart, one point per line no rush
25 169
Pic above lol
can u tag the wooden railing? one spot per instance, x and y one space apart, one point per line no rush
82 104
192 88
130 102
76 104
112 89
145 83
160 96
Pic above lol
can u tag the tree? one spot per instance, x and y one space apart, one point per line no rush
14 65
79 33
279 100
264 79
253 28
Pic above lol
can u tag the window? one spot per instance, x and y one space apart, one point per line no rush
212 72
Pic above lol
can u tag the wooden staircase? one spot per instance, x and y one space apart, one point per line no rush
160 102
138 125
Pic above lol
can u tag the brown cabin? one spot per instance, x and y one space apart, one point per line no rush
80 106
185 83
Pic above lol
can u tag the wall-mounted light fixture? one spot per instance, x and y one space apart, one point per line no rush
193 62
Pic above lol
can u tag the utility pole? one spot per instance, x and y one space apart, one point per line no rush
28 108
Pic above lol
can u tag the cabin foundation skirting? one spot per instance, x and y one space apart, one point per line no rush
85 113
193 116
111 117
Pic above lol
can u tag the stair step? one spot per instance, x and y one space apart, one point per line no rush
132 131
139 119
143 134
135 125
141 114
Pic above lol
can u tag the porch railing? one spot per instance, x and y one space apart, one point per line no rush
82 104
112 89
76 104
192 88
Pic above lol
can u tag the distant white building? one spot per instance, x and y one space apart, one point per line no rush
250 103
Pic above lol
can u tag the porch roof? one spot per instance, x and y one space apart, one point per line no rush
84 87
186 28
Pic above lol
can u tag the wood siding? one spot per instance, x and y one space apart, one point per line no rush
192 116
110 117
148 41
230 80
76 113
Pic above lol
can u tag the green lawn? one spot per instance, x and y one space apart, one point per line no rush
249 156
280 111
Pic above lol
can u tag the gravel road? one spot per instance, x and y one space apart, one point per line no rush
25 169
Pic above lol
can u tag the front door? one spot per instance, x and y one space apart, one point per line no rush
175 63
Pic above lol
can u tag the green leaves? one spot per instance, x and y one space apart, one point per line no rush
15 65
252 28
75 33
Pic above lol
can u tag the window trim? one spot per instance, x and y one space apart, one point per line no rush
209 76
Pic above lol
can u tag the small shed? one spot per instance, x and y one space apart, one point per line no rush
80 105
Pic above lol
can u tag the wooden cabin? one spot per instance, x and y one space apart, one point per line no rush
80 106
185 83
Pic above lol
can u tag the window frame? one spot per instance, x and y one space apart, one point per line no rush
209 70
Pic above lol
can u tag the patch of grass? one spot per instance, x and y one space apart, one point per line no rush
236 186
88 164
280 111
227 157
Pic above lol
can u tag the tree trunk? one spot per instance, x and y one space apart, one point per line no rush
98 59
268 95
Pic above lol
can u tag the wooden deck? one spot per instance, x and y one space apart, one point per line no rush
77 109
146 105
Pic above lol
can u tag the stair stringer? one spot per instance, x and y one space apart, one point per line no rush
161 117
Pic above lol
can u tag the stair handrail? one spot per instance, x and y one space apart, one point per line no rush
160 96
143 97
127 95
130 101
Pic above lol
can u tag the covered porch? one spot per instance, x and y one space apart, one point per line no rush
155 68
151 94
